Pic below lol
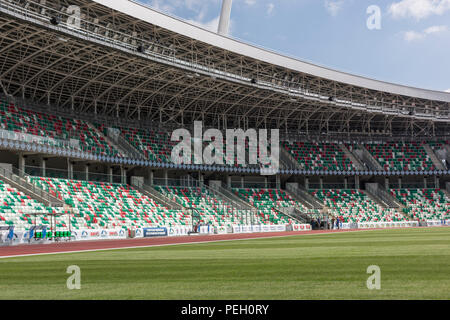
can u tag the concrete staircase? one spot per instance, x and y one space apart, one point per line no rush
384 198
20 180
302 195
356 162
121 144
230 194
447 189
294 214
107 139
152 193
367 158
438 164
287 160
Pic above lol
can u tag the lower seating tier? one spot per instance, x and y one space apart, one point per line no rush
355 206
106 205
424 204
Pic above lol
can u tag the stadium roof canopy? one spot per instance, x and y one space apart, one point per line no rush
125 60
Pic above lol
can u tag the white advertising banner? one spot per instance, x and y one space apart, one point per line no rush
220 230
301 227
258 228
178 231
438 223
395 224
98 234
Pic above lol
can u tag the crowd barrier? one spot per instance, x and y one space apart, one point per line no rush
21 237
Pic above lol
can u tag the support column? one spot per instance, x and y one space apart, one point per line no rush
399 182
166 177
86 171
69 169
425 183
321 183
345 183
123 175
22 160
306 183
44 166
150 177
436 182
242 182
228 181
386 183
266 182
357 182
278 181
110 174
201 178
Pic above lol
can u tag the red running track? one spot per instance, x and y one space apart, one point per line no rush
79 246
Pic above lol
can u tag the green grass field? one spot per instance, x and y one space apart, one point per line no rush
415 264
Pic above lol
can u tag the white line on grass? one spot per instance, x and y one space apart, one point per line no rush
194 242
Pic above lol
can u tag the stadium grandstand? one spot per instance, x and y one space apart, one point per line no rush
92 90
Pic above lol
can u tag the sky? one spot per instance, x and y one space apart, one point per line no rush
400 41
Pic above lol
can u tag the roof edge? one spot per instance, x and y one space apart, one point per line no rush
177 25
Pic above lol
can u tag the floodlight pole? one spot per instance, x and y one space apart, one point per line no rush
224 21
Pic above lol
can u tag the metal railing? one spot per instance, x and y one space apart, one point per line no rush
367 158
304 196
240 202
288 160
76 175
155 195
381 195
22 181
124 144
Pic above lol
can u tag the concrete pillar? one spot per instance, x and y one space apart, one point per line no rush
166 177
425 183
242 182
228 181
22 159
201 178
386 183
266 182
44 166
399 182
321 183
346 183
86 171
150 177
110 174
69 169
436 182
123 175
357 182
306 183
278 181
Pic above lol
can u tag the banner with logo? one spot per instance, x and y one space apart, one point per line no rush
98 234
220 230
206 230
393 224
178 231
301 227
258 228
139 233
438 223
154 232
